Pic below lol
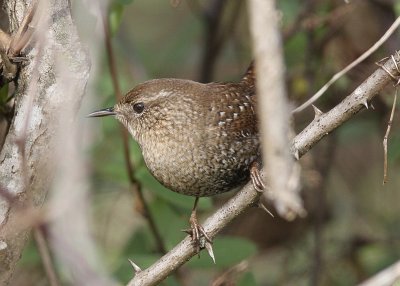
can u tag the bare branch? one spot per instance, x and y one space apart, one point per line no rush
273 109
338 75
247 197
45 256
352 104
386 277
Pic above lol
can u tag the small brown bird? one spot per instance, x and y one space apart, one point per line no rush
197 139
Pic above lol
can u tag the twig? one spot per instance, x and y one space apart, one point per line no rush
338 75
247 197
386 277
385 139
5 40
212 19
124 134
136 185
327 122
229 276
44 252
24 32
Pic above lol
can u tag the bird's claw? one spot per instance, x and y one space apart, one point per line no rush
256 179
396 78
199 236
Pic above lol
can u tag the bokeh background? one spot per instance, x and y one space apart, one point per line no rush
352 229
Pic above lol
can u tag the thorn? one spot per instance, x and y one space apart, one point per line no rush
379 63
187 231
395 64
136 268
365 103
261 206
297 154
210 251
317 111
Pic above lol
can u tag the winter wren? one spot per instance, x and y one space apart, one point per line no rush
197 139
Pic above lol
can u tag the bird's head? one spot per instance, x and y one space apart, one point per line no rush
150 108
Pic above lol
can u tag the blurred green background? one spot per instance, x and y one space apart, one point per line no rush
352 229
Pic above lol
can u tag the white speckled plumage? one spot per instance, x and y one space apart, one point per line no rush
197 139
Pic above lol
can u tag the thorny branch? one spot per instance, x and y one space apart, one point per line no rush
338 75
321 126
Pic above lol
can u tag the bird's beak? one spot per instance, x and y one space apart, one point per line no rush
102 112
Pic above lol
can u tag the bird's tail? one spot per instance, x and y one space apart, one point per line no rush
249 77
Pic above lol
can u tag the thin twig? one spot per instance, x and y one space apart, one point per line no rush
44 252
338 75
212 19
385 140
124 134
229 277
24 33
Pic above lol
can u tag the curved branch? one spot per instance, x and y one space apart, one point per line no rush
322 125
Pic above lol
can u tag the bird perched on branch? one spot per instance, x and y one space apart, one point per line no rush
197 139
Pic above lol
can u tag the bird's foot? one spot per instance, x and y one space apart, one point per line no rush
256 179
199 236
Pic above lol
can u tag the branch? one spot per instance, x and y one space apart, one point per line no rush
356 62
273 109
322 125
386 277
40 103
47 261
185 249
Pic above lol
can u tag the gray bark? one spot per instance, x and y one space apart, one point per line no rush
40 99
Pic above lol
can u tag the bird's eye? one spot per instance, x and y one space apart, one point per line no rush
138 107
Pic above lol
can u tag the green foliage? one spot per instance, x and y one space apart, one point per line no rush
376 257
247 279
182 201
115 15
30 255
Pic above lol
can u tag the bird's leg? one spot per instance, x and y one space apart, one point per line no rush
196 230
255 176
